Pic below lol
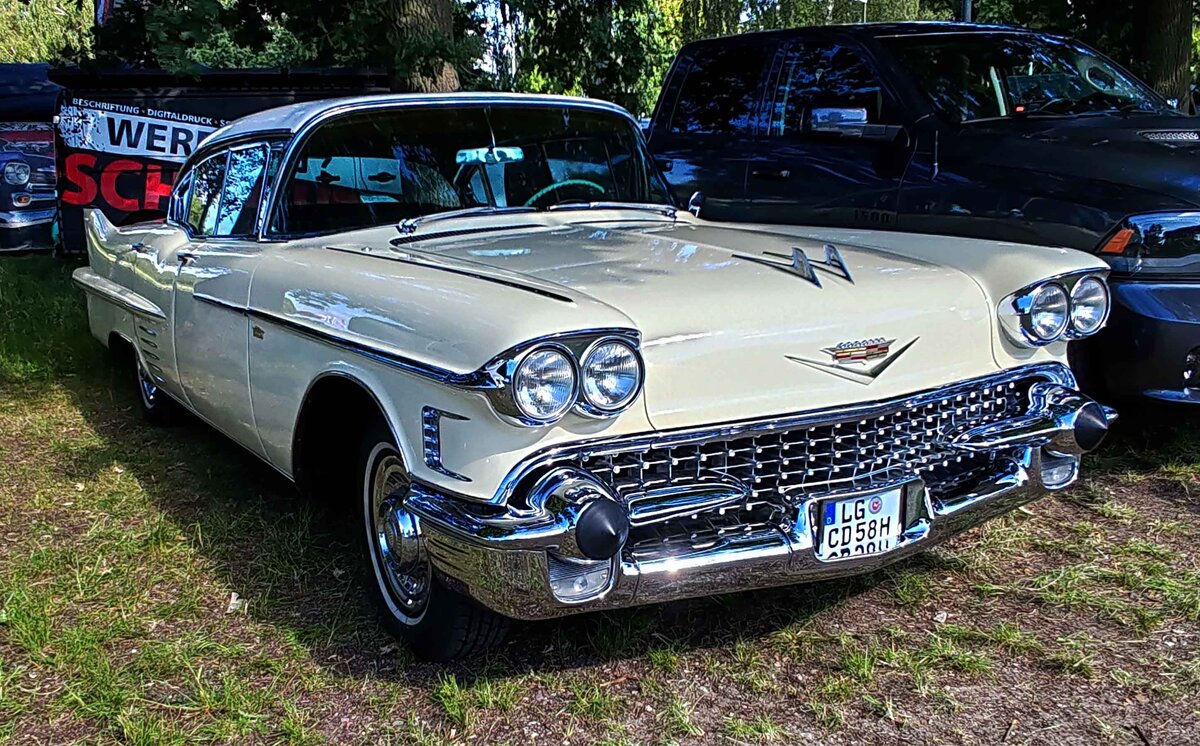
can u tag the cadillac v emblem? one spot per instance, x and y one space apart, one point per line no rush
846 353
860 361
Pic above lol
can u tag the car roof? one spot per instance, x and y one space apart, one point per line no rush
288 120
880 30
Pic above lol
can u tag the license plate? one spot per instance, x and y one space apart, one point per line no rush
860 526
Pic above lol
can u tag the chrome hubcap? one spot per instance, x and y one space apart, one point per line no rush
147 387
400 549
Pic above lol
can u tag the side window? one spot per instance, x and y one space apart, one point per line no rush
179 199
826 88
205 196
244 177
720 94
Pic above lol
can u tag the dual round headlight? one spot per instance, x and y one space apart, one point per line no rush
548 381
1054 313
16 173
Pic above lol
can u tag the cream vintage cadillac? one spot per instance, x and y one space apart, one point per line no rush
547 391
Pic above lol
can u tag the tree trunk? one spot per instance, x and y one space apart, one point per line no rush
425 29
1164 45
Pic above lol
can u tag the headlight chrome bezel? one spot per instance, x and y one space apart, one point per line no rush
571 397
501 375
15 167
1016 310
1075 292
585 405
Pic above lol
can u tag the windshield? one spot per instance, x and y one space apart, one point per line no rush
985 76
382 167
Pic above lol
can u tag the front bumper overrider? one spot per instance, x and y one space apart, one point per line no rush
561 550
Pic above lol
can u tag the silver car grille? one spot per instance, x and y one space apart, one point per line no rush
779 468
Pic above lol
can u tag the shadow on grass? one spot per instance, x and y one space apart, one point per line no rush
290 560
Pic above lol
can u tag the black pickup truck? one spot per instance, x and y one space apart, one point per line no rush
958 129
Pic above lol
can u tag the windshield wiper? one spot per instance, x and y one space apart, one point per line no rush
664 210
408 225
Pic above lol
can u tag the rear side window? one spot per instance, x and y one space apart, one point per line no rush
823 86
244 179
720 94
205 197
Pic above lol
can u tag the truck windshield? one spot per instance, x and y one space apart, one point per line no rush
386 166
976 76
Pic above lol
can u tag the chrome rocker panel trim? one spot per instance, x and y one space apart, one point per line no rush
502 556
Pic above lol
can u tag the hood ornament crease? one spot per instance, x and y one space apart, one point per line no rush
799 264
858 353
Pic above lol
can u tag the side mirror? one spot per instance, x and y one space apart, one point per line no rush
696 203
851 122
845 121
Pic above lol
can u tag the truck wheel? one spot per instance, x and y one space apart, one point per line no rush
156 407
436 622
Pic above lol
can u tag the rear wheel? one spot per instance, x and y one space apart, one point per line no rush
156 407
436 622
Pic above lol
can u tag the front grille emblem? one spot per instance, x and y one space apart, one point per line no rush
861 361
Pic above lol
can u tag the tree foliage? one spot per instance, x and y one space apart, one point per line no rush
612 49
44 30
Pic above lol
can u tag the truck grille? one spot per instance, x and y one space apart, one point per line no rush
780 466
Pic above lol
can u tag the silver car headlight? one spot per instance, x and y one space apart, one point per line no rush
1089 306
612 377
1068 307
16 173
1049 311
545 384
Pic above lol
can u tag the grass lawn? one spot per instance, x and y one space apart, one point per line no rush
160 586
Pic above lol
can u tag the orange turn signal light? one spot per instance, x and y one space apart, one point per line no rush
1119 241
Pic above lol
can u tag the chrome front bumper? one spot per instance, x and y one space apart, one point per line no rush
515 560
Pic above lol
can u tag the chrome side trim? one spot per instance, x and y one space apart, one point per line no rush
491 377
367 350
106 289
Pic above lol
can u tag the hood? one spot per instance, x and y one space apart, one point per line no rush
1158 155
730 332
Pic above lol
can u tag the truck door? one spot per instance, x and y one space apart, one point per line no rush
833 149
703 129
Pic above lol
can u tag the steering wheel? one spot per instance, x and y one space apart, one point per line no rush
560 184
1054 103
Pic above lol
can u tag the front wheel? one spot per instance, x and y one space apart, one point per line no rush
436 622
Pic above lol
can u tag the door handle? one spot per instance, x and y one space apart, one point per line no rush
138 247
185 257
778 174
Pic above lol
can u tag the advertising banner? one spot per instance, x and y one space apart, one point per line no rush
123 135
123 157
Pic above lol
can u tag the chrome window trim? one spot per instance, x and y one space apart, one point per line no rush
1053 372
307 127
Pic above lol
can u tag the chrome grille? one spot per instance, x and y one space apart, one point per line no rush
778 468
